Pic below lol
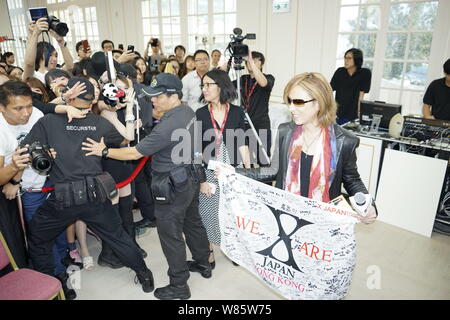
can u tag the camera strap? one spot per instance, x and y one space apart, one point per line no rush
219 133
248 94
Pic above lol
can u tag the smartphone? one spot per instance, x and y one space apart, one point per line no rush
37 13
85 44
130 48
121 47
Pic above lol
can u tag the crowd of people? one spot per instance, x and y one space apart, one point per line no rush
96 140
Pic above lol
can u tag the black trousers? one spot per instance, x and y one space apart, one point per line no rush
172 220
256 152
143 192
48 222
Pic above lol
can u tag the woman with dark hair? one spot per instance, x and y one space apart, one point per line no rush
139 62
39 91
42 57
188 66
16 72
220 122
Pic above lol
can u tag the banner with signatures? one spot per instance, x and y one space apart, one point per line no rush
302 248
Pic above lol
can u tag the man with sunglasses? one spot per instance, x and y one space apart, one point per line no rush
256 88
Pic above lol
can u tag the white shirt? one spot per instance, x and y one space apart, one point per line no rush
40 76
192 91
30 178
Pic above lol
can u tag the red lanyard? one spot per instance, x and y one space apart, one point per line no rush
218 133
249 94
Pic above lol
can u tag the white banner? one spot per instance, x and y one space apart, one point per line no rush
302 248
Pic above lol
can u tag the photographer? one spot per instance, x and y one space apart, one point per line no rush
256 88
157 57
16 120
82 191
42 57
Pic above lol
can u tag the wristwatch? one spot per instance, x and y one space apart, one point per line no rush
14 182
105 152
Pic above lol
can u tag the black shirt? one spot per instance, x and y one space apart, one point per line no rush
235 120
438 97
71 164
347 89
45 108
258 101
165 137
305 174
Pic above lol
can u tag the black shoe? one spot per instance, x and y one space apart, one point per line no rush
145 277
68 261
145 223
172 292
213 265
205 271
111 262
69 294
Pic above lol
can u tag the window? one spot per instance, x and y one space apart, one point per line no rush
82 23
397 35
161 19
210 23
19 29
408 45
358 28
197 24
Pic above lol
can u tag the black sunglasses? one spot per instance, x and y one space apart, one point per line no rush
299 102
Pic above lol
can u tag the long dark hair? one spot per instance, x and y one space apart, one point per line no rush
357 57
228 92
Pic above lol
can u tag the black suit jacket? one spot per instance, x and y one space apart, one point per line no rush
346 170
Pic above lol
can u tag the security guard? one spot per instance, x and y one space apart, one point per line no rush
82 191
175 185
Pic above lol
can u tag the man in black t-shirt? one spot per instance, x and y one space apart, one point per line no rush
256 88
350 82
436 102
77 192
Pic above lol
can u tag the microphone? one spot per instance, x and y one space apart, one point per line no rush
361 202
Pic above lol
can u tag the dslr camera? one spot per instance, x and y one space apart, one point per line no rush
41 157
237 48
56 25
154 42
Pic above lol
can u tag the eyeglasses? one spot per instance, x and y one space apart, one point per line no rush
207 85
299 102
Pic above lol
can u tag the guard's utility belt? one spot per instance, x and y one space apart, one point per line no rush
91 189
165 185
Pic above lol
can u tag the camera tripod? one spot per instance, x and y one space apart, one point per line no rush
238 69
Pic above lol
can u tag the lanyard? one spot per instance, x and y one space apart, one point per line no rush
218 133
249 94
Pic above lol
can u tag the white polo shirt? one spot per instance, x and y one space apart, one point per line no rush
10 137
192 91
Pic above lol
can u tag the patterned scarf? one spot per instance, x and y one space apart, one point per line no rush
323 166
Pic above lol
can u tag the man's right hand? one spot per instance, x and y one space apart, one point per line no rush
41 25
19 161
126 57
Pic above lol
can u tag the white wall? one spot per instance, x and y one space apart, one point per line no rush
5 24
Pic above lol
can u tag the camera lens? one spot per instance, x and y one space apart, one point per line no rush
43 165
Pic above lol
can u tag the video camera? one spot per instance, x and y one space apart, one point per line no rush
236 47
41 158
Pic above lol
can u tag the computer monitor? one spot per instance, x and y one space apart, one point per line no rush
383 109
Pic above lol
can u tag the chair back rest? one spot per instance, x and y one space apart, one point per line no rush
4 257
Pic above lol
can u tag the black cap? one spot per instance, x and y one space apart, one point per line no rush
127 70
89 95
97 65
164 83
